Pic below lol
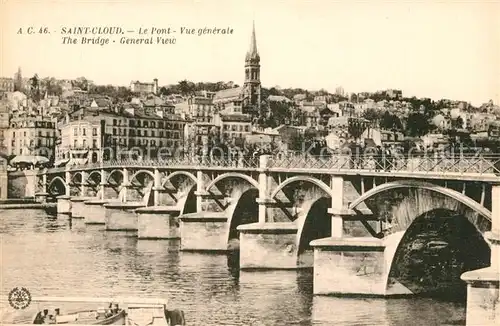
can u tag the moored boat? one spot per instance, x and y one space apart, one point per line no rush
113 311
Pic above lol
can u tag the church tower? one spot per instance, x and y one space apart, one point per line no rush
252 76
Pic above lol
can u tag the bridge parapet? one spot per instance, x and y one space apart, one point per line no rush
461 164
476 164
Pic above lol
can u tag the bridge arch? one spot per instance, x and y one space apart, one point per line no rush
469 202
178 173
57 179
245 177
78 173
243 210
299 178
89 176
113 172
415 254
134 176
310 211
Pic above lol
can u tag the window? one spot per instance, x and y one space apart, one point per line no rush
145 124
247 128
39 142
114 131
75 131
94 143
84 143
75 143
84 131
152 133
145 133
114 122
40 133
153 124
94 131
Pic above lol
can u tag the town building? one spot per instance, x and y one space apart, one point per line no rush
4 125
80 140
201 109
144 88
7 84
30 135
135 130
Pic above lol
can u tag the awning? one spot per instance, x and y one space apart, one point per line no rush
29 159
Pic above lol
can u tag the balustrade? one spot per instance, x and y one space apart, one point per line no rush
463 164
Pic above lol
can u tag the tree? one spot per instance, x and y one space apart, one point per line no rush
280 113
390 121
371 115
418 125
35 88
186 87
457 123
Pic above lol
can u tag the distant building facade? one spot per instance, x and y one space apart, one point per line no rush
144 88
7 84
31 136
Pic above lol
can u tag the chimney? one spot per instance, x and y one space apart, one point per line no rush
155 86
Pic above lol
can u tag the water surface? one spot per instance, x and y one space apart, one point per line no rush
56 256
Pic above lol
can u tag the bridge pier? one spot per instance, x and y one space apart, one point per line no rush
269 246
483 294
121 216
351 265
41 196
204 231
78 206
158 222
354 266
64 204
94 211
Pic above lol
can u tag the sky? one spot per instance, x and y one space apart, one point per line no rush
436 49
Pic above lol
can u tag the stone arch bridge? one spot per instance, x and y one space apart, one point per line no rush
300 211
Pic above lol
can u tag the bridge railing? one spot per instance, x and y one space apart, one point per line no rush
475 164
463 164
181 161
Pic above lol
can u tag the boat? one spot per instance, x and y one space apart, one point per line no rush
114 311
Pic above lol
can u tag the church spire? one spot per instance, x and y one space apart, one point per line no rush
252 53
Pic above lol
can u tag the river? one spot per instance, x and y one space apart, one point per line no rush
57 256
